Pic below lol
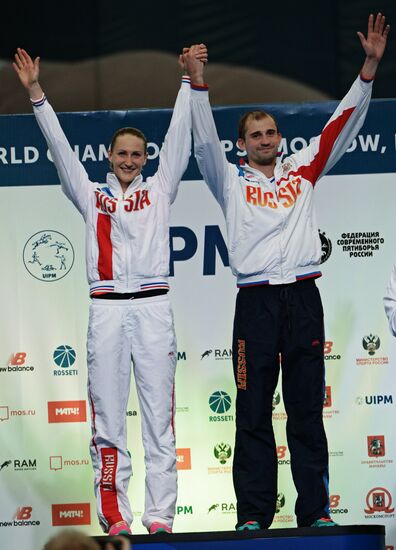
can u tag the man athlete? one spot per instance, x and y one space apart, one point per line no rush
274 251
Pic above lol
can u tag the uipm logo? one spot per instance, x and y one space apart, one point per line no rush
67 411
71 514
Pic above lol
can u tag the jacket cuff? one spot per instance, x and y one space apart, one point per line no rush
365 79
200 88
38 102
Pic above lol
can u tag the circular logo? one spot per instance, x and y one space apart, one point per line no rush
219 402
64 356
326 246
48 256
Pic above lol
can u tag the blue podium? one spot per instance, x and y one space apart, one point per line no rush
354 537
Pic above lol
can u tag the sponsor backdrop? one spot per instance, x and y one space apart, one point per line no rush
45 472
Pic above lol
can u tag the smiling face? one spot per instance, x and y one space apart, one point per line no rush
127 157
260 141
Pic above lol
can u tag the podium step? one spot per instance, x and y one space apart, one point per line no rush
354 537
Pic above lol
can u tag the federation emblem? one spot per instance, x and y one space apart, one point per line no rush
48 255
326 247
371 343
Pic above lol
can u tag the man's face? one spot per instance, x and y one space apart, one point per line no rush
261 141
127 157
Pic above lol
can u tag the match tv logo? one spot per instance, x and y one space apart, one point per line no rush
183 459
67 411
71 514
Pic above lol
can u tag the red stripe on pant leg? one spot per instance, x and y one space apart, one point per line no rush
108 489
173 410
105 258
93 422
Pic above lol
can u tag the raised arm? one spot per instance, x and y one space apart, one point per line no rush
326 149
176 149
208 150
73 177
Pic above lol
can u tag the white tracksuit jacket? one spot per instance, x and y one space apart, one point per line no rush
271 227
127 238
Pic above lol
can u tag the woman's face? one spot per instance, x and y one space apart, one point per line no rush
127 157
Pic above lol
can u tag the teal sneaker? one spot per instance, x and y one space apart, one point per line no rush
324 522
249 526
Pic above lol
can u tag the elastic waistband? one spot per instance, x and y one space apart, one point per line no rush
259 280
130 295
300 283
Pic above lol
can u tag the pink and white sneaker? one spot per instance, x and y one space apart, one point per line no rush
119 528
157 527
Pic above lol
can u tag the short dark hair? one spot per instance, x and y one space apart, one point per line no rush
252 115
131 131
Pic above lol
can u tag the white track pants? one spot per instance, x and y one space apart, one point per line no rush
141 330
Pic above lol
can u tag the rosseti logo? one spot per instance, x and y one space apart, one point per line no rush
64 356
220 402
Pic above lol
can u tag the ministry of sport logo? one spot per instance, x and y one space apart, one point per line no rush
48 255
280 515
222 452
